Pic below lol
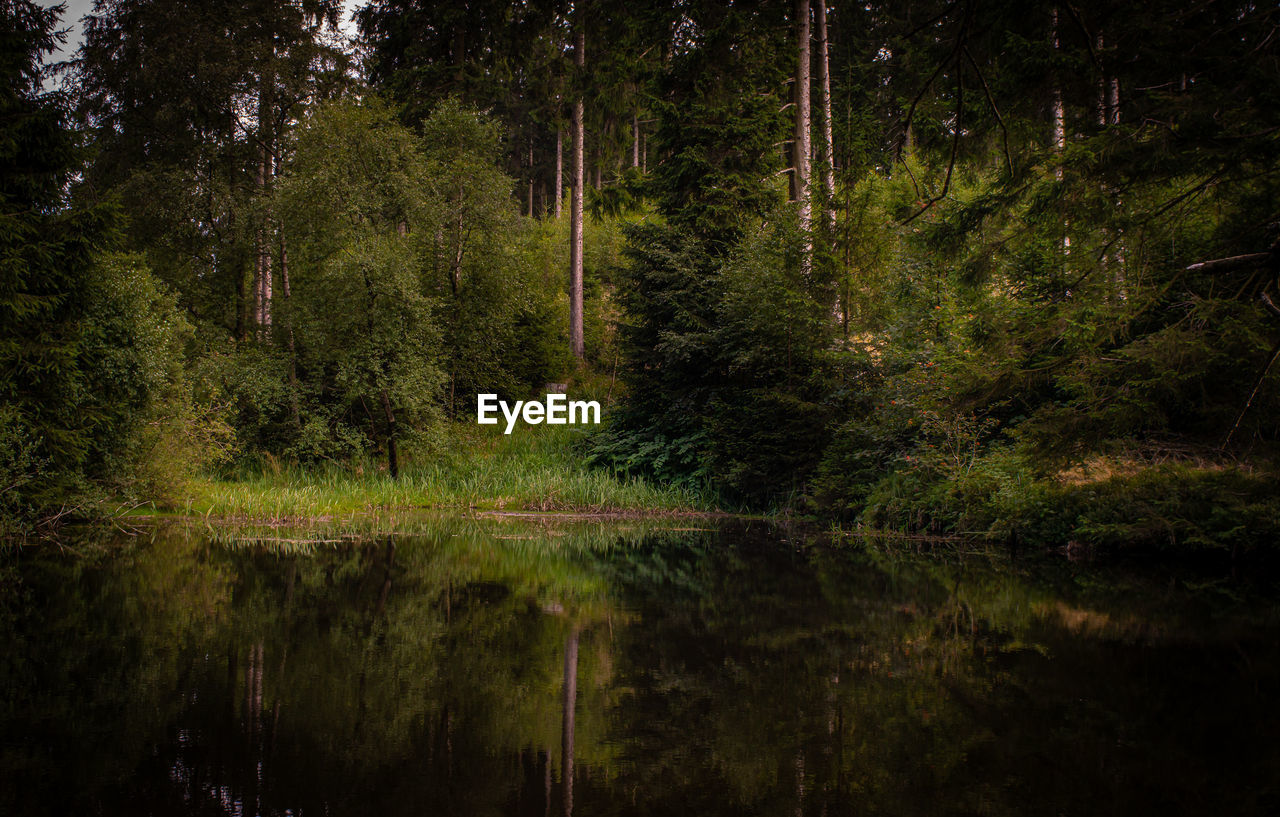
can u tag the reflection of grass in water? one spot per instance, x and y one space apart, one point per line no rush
980 588
532 469
550 557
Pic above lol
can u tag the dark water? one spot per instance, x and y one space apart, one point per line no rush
509 668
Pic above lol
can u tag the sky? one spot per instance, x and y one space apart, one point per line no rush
77 9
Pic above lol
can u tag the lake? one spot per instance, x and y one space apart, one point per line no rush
509 666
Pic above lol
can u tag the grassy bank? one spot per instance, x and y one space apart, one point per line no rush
533 469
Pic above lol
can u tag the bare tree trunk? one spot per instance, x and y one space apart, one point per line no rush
393 455
242 290
288 318
1103 113
531 174
1108 90
559 171
1108 87
575 211
846 273
455 264
1059 128
635 139
242 304
826 151
802 148
262 266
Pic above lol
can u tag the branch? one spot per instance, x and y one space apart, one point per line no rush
955 147
1004 131
911 110
1275 353
929 23
952 57
1270 304
1232 263
1088 35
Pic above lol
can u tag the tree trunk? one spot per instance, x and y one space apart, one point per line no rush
635 139
1104 115
1059 128
288 318
827 151
1059 111
262 267
531 174
242 304
455 264
393 455
559 172
802 149
575 211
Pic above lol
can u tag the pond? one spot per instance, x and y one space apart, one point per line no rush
524 667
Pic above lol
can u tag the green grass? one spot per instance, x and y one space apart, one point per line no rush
533 469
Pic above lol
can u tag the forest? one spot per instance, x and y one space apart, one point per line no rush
959 268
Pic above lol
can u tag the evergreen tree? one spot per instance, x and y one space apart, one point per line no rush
87 343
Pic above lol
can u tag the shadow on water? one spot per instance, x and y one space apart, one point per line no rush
502 666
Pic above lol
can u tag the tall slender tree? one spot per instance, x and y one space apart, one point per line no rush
826 145
802 146
575 211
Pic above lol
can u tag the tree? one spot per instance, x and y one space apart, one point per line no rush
189 108
575 206
88 342
802 147
355 193
826 144
494 308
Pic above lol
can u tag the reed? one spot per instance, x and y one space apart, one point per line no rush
535 469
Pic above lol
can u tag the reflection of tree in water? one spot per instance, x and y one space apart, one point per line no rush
715 672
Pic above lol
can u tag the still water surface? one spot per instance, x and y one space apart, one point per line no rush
509 667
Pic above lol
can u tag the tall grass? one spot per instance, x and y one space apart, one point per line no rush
533 469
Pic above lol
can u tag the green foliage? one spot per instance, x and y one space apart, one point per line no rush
46 254
21 468
91 347
534 469
720 103
731 361
181 102
364 317
153 433
1001 292
413 283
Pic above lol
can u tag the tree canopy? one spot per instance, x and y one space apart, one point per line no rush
944 265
